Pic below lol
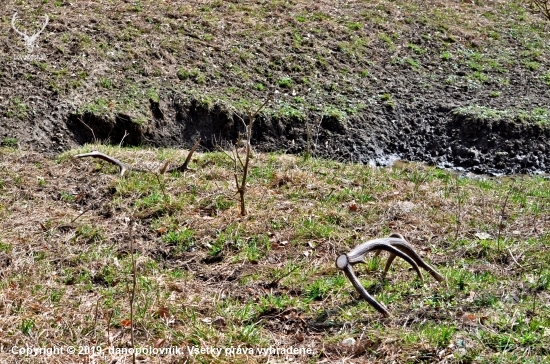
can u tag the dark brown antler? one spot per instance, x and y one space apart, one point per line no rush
184 167
357 255
396 245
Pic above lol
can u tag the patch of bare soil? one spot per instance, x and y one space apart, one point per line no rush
355 81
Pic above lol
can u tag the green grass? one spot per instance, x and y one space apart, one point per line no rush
208 277
275 267
474 112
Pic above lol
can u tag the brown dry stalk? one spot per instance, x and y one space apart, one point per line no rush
133 292
241 185
542 6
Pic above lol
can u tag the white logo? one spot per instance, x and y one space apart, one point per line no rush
30 40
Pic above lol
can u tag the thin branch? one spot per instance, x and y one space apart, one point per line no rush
543 7
501 218
110 317
133 293
123 137
514 258
92 130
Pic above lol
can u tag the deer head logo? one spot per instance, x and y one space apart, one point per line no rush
29 40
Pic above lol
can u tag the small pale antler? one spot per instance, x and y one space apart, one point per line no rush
357 255
29 40
125 167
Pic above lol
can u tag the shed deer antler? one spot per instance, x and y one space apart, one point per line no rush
29 40
396 245
400 243
125 167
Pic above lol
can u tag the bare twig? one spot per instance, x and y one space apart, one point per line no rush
89 128
82 213
241 185
123 137
501 218
111 313
459 197
162 186
514 258
133 292
542 6
276 281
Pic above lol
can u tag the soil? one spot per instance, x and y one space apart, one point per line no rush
408 112
425 131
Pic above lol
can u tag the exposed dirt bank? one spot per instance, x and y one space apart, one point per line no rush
453 84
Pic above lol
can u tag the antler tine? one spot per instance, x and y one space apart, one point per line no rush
399 242
13 19
46 23
342 263
357 255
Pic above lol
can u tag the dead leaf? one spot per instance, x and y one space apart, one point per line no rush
159 343
163 312
353 207
468 317
126 323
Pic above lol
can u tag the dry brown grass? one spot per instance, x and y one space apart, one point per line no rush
267 279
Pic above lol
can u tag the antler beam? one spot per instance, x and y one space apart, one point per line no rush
123 167
397 246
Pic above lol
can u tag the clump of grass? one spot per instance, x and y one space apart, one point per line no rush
10 142
475 112
194 74
285 82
